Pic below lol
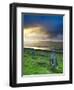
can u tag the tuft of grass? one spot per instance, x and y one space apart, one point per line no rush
38 62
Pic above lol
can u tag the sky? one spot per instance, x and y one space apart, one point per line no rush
55 22
42 31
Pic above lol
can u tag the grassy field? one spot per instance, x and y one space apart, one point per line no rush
38 62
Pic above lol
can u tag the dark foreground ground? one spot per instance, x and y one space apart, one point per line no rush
38 62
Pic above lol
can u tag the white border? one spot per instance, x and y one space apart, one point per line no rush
48 77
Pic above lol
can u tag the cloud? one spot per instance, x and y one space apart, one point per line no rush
39 37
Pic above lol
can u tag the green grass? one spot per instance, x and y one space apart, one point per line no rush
39 63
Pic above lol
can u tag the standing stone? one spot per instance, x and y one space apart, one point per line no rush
33 53
53 59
